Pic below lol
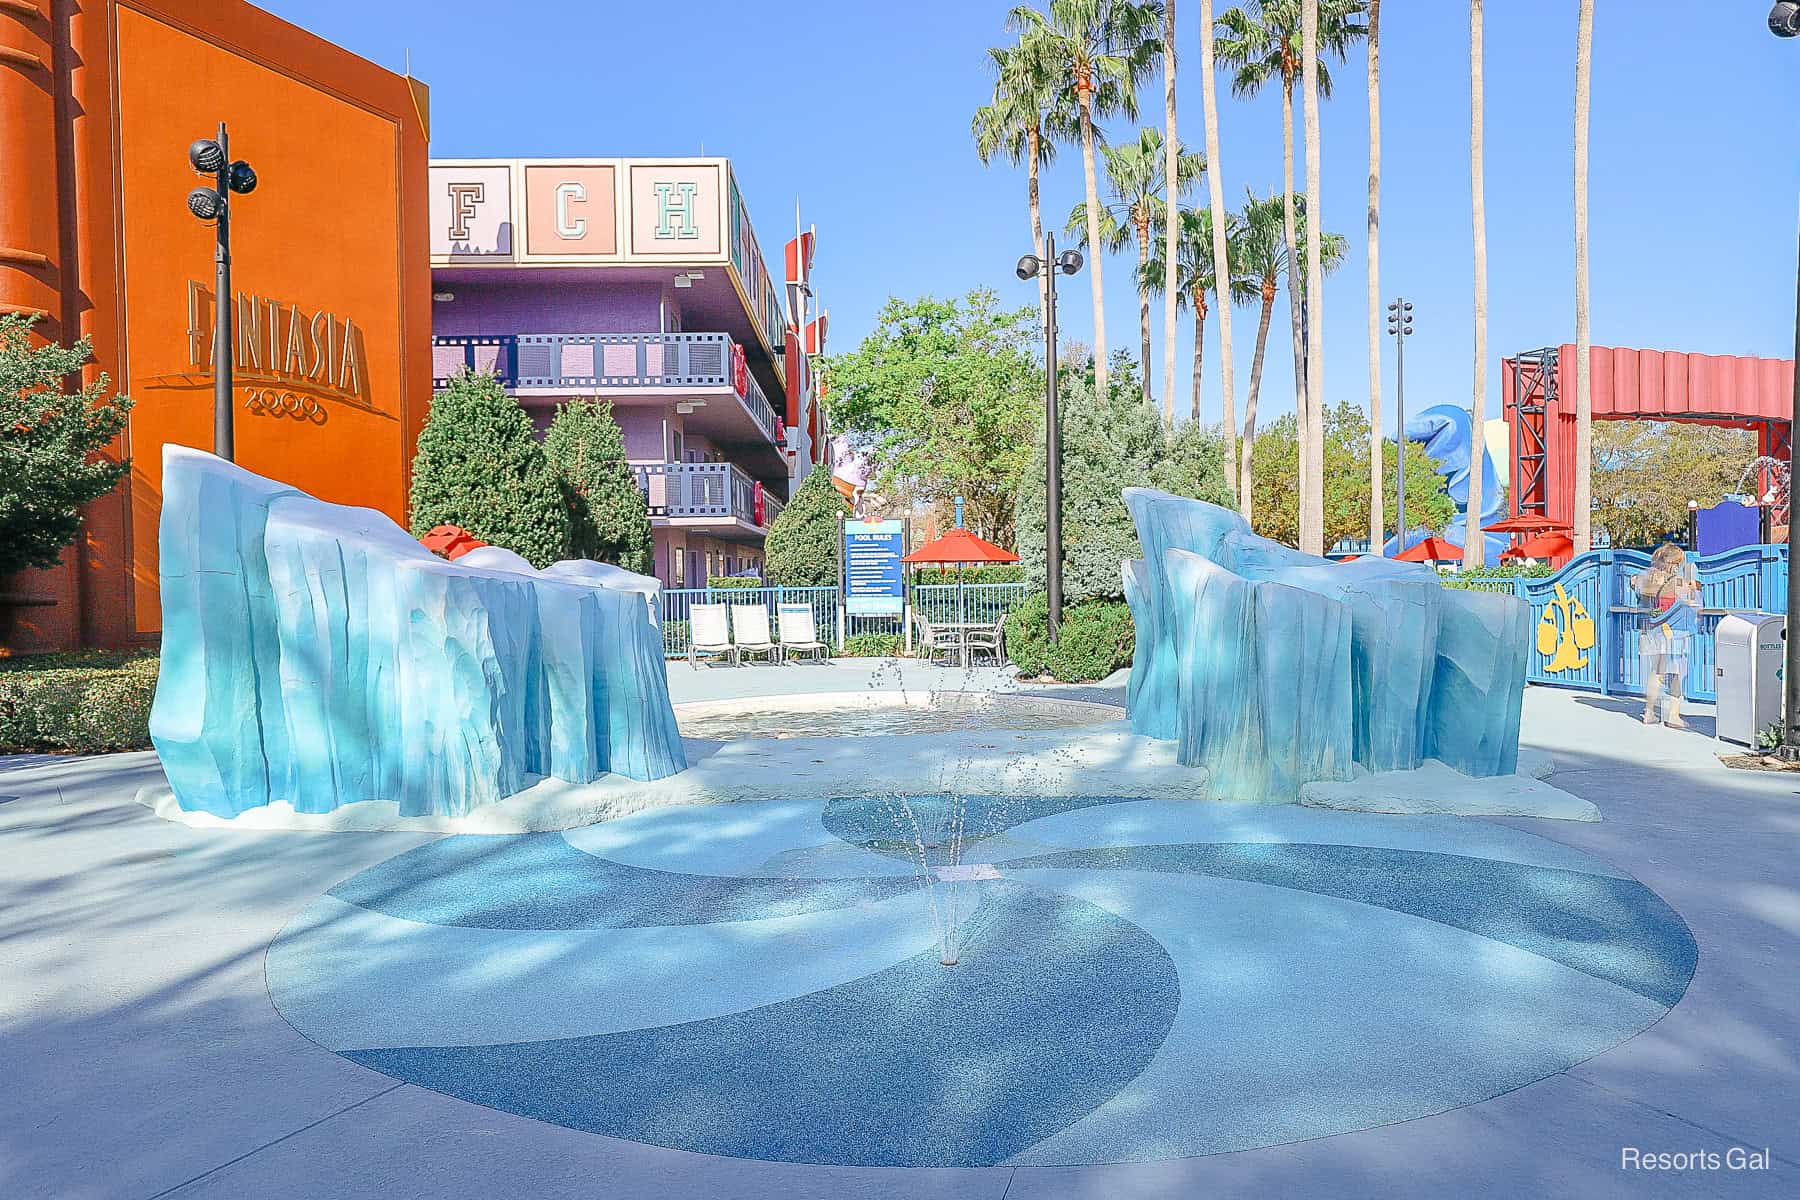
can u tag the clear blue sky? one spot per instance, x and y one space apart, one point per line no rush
861 111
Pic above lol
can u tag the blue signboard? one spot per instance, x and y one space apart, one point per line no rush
874 578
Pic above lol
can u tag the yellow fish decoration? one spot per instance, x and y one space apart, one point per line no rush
1563 632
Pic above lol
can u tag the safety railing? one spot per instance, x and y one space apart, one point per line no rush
979 603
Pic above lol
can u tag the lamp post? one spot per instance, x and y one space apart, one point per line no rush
1693 527
212 156
1400 325
1050 265
1784 21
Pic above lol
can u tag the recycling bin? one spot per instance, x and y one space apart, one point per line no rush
1749 650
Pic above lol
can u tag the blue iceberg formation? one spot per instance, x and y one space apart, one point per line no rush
316 654
1272 668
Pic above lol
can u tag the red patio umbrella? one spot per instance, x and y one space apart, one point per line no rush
1546 545
450 541
1524 523
1432 549
961 547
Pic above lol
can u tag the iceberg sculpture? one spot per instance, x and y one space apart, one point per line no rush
316 654
1272 668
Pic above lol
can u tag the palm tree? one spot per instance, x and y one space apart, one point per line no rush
1312 512
1023 123
1195 276
1100 50
1264 42
1583 538
1262 263
1172 203
1474 542
1216 214
1136 180
1377 517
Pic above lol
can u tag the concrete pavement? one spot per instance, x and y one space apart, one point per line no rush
141 1056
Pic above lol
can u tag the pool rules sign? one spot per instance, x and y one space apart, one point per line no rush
874 577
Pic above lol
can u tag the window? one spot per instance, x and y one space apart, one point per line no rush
675 563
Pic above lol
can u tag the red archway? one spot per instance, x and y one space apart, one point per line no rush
1538 395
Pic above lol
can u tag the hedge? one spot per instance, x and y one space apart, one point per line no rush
726 582
1096 638
871 645
89 702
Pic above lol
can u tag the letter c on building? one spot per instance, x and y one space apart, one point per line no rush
567 226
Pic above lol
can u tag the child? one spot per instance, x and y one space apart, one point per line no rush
1669 590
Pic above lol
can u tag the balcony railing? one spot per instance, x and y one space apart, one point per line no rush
718 490
598 361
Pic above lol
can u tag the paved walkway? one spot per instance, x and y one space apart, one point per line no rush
140 1055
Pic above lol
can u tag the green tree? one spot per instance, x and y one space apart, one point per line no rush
608 518
480 465
1135 178
1100 50
1263 259
1028 116
1108 446
1646 472
48 439
943 395
1264 42
1428 505
802 547
1195 276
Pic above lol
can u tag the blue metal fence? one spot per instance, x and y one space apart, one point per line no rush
973 603
1587 619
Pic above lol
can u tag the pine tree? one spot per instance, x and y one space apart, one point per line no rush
47 439
480 465
802 549
608 516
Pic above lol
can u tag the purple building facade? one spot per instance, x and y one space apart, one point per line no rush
639 281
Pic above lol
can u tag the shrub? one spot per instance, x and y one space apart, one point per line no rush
49 439
871 645
609 520
802 547
1096 639
727 582
1110 444
479 465
88 703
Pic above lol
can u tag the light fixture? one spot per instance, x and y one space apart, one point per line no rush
682 281
684 407
443 297
1784 19
205 203
1069 261
1028 267
241 179
206 156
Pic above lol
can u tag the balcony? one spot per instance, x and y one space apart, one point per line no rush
703 493
597 363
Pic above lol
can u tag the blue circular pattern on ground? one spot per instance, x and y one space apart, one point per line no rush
1144 979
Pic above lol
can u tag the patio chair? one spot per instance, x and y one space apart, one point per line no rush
799 631
986 639
708 635
750 632
934 641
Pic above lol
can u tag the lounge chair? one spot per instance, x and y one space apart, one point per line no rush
799 631
708 635
750 631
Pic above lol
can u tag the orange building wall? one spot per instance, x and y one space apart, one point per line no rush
336 226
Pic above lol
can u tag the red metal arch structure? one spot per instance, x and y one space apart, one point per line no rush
1538 392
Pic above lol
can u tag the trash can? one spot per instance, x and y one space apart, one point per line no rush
1749 650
